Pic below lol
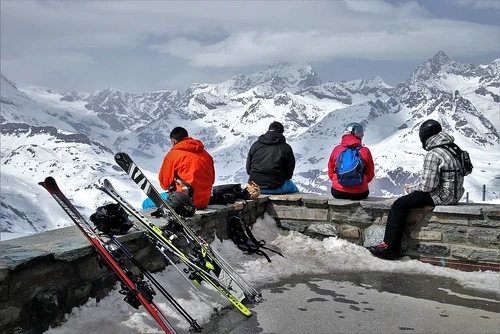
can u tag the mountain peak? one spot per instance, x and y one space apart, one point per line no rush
294 71
287 65
111 90
495 64
431 67
440 58
365 86
285 74
378 81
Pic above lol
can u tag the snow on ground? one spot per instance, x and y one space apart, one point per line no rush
302 254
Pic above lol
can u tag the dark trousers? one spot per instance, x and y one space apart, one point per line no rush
343 195
396 221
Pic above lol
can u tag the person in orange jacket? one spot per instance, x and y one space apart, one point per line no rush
188 167
352 137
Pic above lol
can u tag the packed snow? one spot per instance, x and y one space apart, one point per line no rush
302 255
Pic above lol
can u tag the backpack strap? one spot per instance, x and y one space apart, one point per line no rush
452 148
250 248
260 243
245 240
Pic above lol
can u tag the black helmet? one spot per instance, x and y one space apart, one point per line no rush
428 129
111 217
181 203
354 129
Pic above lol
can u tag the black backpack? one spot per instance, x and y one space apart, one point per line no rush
111 218
242 236
228 194
462 157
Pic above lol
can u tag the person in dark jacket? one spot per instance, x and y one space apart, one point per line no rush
441 184
353 134
271 162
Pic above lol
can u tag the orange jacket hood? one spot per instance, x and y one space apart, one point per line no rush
189 144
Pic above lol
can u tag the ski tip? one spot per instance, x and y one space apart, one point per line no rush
120 155
48 179
49 182
100 184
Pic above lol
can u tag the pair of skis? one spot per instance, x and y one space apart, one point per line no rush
196 270
212 260
136 290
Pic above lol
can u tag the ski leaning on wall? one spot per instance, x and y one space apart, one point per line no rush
194 270
137 292
119 248
215 262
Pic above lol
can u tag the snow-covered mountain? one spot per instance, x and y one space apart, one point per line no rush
130 111
72 135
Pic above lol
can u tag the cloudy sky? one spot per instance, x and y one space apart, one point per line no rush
140 46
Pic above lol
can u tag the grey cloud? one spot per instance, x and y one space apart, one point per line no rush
137 43
480 4
411 9
372 30
410 41
179 47
37 67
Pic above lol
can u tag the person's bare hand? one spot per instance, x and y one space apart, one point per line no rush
405 187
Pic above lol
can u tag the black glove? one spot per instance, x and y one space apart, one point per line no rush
157 213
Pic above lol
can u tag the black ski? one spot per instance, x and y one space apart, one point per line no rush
215 262
136 290
163 243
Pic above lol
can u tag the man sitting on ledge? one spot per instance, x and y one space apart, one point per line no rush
442 184
271 162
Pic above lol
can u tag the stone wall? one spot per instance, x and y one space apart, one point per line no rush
466 232
43 276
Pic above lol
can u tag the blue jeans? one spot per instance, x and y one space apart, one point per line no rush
148 203
287 188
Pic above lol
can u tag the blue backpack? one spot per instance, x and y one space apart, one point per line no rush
349 167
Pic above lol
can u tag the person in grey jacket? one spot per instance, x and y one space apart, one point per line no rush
441 184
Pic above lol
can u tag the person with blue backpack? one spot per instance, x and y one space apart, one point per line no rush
351 166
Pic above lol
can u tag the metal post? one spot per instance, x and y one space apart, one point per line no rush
467 197
484 192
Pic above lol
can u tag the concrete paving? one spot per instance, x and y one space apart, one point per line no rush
365 303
